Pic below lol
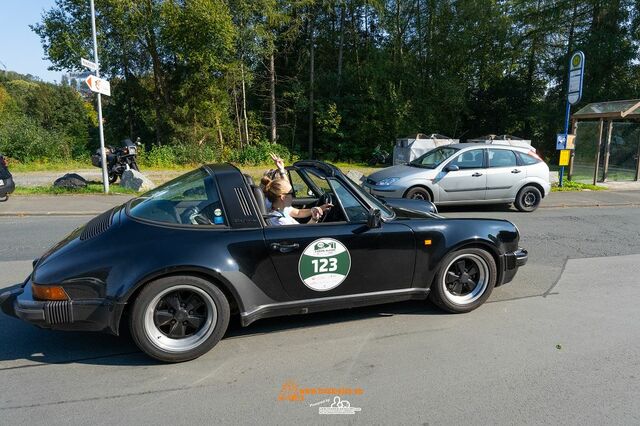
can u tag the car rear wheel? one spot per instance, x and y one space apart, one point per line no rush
528 199
179 318
418 193
465 280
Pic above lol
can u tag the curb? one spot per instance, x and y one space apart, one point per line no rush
13 214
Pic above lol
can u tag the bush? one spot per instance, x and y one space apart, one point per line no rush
167 156
24 140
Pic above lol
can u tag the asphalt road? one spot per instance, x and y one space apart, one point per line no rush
557 345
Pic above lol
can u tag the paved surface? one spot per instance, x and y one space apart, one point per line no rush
557 345
46 178
43 205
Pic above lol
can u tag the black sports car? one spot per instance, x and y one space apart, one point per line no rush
177 262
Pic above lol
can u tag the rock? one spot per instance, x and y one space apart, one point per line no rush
133 179
71 181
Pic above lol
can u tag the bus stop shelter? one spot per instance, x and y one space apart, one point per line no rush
607 141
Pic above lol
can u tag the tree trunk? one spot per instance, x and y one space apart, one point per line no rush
220 139
235 102
244 105
272 78
311 75
341 45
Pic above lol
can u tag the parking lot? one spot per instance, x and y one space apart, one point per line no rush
558 344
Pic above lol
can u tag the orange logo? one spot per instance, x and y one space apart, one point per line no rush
290 391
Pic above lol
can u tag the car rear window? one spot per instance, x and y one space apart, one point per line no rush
527 159
191 199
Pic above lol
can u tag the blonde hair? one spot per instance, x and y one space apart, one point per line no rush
275 188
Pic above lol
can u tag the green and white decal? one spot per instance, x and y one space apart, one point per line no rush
324 264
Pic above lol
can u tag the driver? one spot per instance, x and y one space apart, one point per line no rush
279 193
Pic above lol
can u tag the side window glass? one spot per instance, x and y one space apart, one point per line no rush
527 159
469 159
502 158
300 188
354 210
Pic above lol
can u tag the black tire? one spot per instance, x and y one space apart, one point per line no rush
418 193
113 178
4 198
458 295
156 329
528 198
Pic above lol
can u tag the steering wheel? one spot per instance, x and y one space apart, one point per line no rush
194 216
325 198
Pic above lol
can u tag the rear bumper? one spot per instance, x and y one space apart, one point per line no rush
78 315
7 187
512 261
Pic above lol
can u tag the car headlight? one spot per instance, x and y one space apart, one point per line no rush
387 181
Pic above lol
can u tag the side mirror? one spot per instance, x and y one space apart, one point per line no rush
374 220
452 168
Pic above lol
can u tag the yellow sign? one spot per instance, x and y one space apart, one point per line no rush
565 155
571 142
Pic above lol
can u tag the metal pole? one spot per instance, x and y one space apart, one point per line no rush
103 153
595 171
566 132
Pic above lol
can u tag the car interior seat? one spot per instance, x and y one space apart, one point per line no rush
258 194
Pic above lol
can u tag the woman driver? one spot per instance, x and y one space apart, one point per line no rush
279 193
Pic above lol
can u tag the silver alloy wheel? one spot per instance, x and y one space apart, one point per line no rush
418 196
465 279
162 339
529 199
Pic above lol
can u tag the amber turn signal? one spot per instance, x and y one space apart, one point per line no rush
47 292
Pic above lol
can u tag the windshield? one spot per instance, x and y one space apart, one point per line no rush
191 199
434 158
385 211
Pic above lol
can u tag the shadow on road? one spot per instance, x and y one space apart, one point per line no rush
477 208
24 345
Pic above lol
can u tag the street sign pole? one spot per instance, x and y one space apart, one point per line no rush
566 132
103 153
574 94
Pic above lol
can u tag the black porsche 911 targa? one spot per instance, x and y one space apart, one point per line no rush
175 263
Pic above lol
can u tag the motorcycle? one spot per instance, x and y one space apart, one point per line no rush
7 186
379 156
118 159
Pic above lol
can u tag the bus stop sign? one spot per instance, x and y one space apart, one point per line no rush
576 75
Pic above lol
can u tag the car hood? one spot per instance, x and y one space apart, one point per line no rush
409 209
400 171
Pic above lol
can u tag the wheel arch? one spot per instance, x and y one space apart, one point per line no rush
534 184
481 244
423 186
213 277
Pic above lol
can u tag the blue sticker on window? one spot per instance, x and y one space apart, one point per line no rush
218 220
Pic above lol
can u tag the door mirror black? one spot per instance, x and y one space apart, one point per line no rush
374 219
452 168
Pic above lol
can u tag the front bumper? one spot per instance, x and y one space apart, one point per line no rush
390 191
512 261
80 315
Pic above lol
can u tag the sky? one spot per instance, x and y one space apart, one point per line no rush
20 48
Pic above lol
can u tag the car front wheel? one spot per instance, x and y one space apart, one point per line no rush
528 199
418 193
179 318
465 280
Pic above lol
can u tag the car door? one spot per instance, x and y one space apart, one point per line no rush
342 258
503 174
469 182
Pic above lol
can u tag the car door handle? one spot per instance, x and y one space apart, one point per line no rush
285 247
476 174
515 171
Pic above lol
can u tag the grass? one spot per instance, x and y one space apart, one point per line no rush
92 188
569 185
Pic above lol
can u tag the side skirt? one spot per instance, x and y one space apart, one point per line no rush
331 303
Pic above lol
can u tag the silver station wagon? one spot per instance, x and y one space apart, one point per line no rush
468 173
